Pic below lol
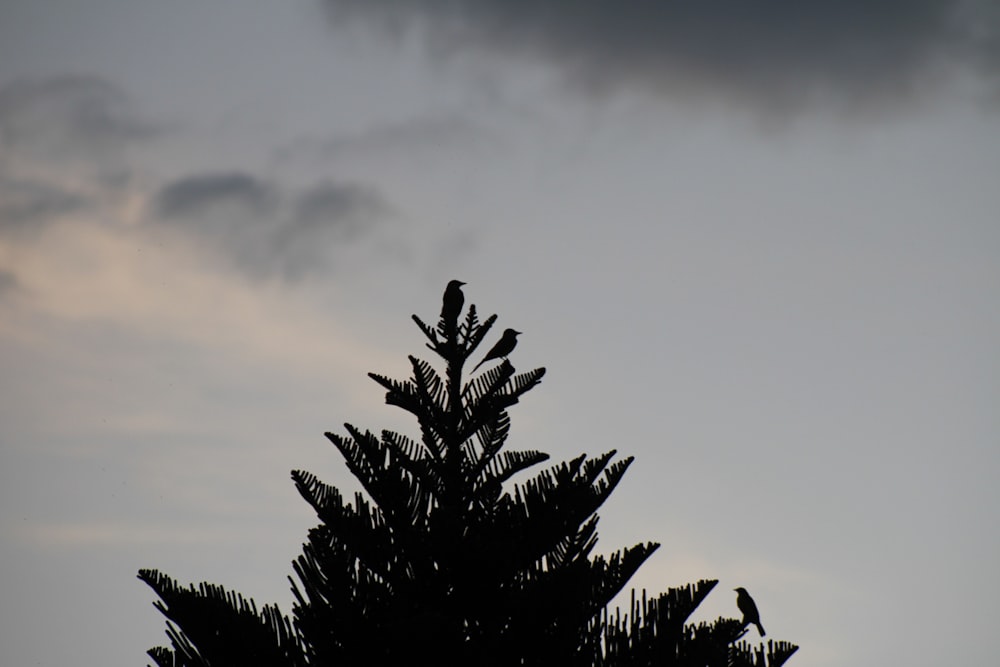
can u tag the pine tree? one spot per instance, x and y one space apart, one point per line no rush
444 559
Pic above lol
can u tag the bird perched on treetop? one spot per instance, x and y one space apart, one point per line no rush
503 347
749 609
451 304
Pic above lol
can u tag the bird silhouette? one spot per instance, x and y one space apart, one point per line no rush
451 304
749 609
503 347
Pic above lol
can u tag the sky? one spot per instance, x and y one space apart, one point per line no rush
756 246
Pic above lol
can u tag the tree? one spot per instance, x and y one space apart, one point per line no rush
445 559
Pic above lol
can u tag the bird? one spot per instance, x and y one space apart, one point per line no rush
451 304
503 347
749 609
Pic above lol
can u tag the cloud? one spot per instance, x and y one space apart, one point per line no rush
28 204
264 227
63 159
344 207
64 149
68 116
8 282
199 196
424 135
770 54
323 218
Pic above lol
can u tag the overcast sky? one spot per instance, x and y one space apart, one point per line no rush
756 245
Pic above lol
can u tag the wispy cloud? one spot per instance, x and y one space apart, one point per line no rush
423 135
198 196
770 54
269 229
28 204
72 115
345 207
8 282
64 149
63 154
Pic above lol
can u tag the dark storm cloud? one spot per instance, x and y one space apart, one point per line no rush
28 204
266 229
202 195
68 116
770 53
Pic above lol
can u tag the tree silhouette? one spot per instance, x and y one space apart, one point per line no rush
445 559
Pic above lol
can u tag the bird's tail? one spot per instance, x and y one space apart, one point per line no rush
760 629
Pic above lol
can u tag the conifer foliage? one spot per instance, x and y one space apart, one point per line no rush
446 558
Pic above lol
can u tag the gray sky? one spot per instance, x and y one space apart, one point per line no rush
755 245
